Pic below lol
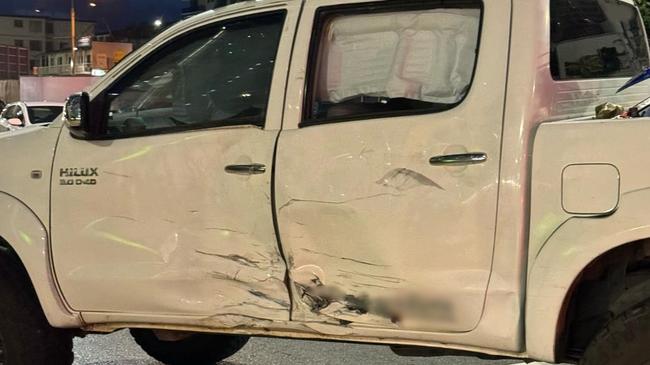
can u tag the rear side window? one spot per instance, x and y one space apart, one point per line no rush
391 58
596 39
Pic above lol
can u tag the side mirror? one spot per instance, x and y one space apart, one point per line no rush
72 111
86 119
15 122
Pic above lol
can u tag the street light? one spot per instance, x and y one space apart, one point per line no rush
158 23
73 32
73 35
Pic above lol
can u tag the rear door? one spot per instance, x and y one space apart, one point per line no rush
387 167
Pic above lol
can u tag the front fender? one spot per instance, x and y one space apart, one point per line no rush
21 228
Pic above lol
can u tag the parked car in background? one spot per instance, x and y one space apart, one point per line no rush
24 114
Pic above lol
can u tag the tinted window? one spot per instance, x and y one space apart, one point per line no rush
596 39
43 114
383 59
218 76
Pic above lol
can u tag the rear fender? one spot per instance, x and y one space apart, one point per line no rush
590 194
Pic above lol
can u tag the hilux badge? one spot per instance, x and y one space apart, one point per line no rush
78 176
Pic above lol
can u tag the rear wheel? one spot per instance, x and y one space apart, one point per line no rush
195 349
624 340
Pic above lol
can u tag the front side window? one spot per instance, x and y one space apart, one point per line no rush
596 39
387 59
217 76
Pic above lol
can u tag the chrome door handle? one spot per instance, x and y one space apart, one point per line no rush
459 160
252 169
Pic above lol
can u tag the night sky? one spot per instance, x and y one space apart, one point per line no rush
116 13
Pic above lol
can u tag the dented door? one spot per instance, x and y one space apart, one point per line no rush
178 220
387 201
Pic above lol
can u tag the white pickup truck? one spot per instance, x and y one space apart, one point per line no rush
416 173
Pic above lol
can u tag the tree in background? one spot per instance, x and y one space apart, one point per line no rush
644 5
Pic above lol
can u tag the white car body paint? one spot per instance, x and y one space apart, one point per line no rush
165 239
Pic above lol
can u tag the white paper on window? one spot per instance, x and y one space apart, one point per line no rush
423 55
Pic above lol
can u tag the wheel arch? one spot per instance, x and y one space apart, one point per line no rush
557 268
23 237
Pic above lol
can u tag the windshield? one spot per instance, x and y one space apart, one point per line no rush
43 114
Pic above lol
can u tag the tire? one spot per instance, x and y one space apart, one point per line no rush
624 340
198 349
26 338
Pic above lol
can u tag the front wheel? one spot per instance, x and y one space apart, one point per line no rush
196 349
624 340
26 338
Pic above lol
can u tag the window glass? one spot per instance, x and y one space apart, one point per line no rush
419 60
219 76
36 45
43 114
596 39
35 26
18 23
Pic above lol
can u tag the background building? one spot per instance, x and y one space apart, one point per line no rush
93 58
40 34
14 62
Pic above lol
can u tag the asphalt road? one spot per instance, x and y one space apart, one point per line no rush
120 349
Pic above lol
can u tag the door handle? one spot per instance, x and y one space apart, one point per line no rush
459 160
252 169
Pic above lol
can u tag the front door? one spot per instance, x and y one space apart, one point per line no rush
171 213
387 177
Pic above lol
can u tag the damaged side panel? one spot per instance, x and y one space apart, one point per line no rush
167 231
376 237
